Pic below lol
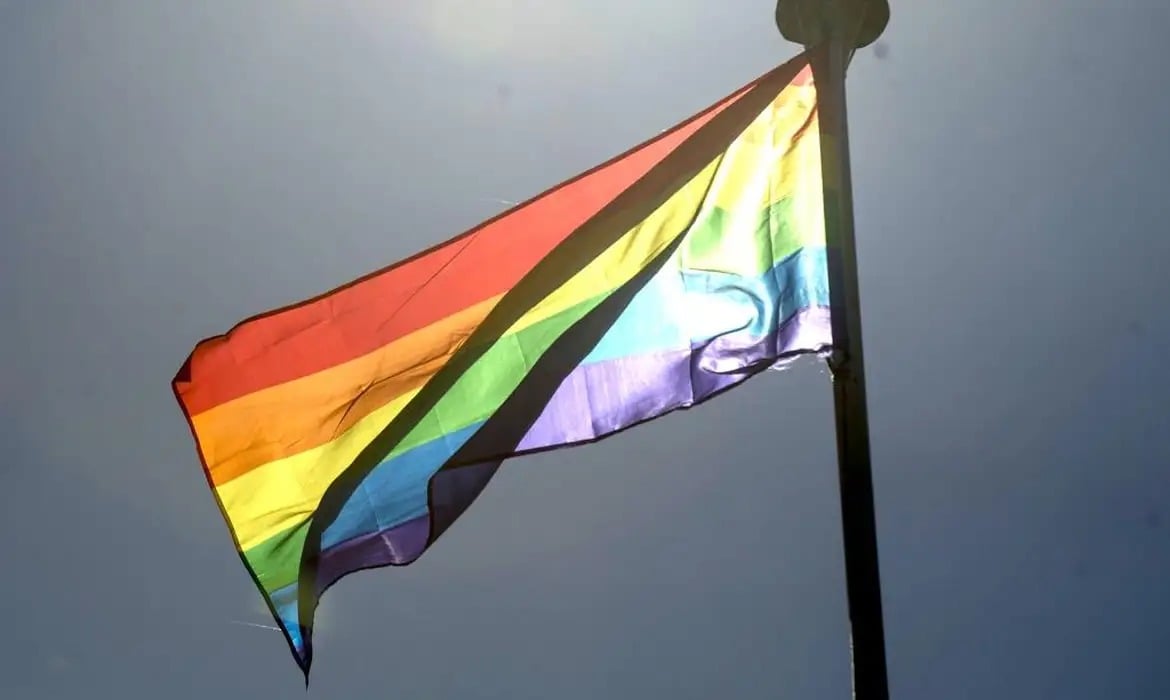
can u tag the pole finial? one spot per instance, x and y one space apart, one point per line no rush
809 22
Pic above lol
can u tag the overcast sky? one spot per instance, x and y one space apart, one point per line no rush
168 168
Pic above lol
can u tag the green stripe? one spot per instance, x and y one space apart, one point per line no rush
748 246
472 399
495 376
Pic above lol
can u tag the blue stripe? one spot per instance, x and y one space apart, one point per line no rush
679 309
395 491
285 603
711 304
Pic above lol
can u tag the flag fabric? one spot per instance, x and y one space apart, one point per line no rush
349 431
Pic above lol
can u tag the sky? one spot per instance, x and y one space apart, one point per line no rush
168 168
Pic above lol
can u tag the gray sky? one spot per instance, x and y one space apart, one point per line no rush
168 168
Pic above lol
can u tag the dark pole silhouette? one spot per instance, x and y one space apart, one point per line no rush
831 30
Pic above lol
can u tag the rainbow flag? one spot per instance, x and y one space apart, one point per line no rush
351 430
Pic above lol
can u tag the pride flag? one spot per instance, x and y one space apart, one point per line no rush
351 430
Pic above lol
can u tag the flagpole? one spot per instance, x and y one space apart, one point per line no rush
831 30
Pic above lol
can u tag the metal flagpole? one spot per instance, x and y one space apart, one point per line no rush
831 30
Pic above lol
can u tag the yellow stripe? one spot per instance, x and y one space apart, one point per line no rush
755 152
777 159
304 413
284 493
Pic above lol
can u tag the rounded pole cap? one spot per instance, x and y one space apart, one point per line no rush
809 22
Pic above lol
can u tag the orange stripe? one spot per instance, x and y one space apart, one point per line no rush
288 418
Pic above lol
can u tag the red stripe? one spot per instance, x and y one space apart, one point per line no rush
364 315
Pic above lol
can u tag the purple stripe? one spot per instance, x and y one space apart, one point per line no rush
598 399
400 544
807 331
